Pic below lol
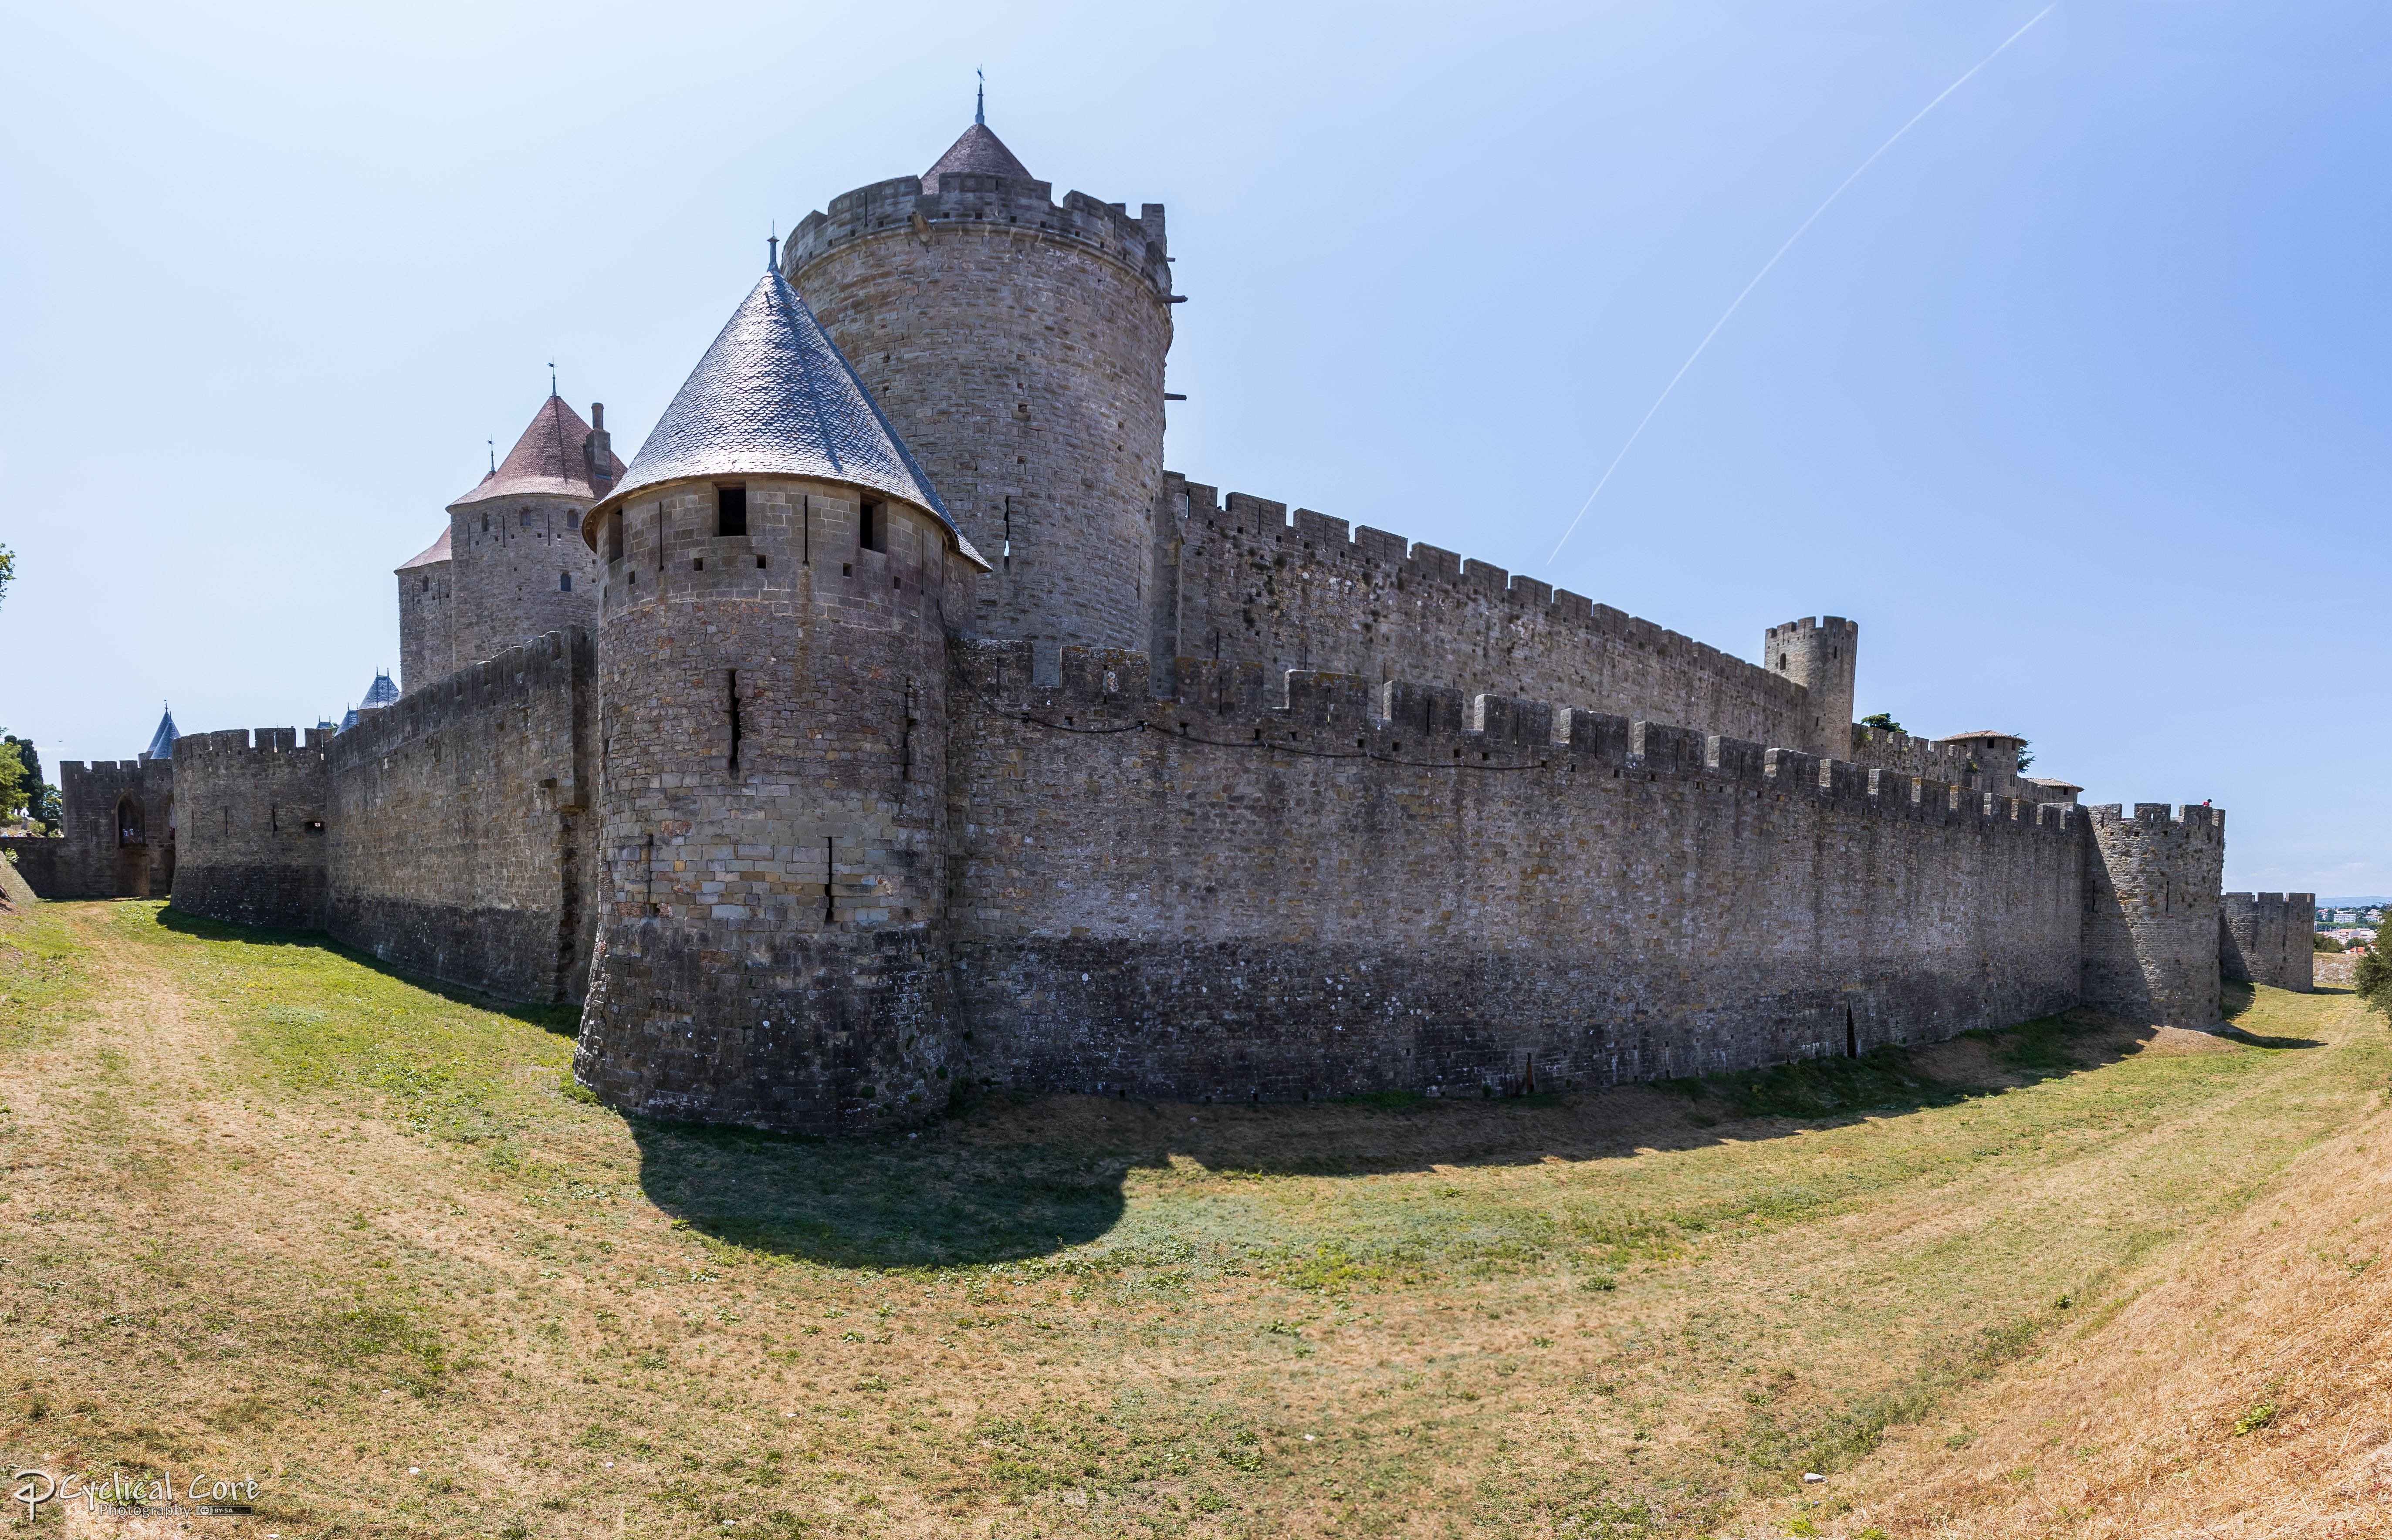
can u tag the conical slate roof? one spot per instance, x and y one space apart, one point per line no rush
979 151
380 693
162 742
774 397
549 460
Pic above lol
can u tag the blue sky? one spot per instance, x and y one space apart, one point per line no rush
2076 401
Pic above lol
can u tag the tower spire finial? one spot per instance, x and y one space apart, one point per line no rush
773 247
980 98
552 377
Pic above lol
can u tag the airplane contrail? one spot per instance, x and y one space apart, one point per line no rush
1764 273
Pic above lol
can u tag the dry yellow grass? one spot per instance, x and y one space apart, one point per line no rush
273 1212
2241 1386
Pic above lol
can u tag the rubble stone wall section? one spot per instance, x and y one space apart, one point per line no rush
39 860
462 825
1287 884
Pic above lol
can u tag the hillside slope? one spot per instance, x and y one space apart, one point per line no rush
2241 1384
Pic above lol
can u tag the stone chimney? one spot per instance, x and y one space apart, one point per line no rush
598 451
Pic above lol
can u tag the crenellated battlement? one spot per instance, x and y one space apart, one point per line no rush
113 770
193 748
1403 724
544 669
1296 588
2158 818
982 205
2302 906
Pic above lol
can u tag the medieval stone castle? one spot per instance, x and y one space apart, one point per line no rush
895 722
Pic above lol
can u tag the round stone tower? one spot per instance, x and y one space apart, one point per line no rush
518 567
1019 346
2151 913
1823 656
780 582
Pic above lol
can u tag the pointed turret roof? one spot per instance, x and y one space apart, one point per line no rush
549 460
381 691
436 551
774 397
162 742
981 151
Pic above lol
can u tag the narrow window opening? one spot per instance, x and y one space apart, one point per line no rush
847 569
1781 663
733 696
698 564
614 537
565 582
1851 1035
759 563
872 526
806 530
830 873
731 511
273 819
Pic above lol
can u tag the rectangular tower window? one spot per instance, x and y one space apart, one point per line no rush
615 536
872 526
731 511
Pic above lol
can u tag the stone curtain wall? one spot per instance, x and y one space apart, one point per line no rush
39 862
1509 894
463 836
507 555
2151 913
1018 345
2268 939
1245 584
249 826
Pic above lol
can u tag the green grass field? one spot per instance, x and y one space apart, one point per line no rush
278 1212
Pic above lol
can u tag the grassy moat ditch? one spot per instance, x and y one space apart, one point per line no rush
279 1211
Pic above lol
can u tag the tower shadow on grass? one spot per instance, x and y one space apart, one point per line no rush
1015 1178
881 1202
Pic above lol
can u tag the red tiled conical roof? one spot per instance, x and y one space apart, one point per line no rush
436 551
978 151
547 462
